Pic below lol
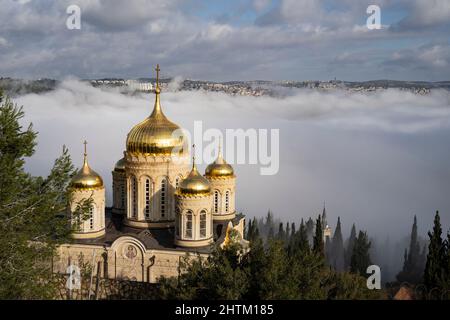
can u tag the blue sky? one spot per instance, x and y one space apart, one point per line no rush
227 40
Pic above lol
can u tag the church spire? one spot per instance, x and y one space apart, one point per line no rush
194 167
157 107
85 157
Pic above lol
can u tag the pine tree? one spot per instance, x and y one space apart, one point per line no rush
293 229
302 239
360 257
349 251
434 273
249 230
31 211
338 262
280 234
412 271
318 245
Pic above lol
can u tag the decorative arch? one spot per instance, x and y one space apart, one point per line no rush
189 224
134 196
147 191
216 201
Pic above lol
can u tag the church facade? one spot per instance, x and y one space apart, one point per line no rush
163 207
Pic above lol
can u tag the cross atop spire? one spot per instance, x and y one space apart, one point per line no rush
85 161
193 157
85 150
85 147
157 69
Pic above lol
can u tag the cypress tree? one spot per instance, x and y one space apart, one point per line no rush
318 245
349 251
435 266
413 265
302 242
281 234
338 248
360 257
310 230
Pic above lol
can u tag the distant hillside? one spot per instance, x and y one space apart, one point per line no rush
15 87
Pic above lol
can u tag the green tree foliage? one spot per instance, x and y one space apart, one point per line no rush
414 263
360 257
31 223
349 250
268 271
318 245
435 273
337 252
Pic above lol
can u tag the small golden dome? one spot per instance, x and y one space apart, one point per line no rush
86 178
154 135
219 168
194 184
120 165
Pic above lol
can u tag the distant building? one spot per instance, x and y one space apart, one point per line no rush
138 85
325 226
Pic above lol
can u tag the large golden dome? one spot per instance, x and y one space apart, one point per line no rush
154 135
219 168
86 178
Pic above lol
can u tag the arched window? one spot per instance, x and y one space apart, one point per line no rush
203 224
163 197
216 201
188 228
134 196
147 198
177 182
91 217
227 201
122 194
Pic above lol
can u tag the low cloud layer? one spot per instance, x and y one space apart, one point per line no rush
376 159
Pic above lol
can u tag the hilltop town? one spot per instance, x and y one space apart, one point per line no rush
254 88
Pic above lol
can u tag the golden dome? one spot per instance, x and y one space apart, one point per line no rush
120 165
153 136
86 178
194 184
219 168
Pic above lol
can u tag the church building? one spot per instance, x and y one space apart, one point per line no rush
163 207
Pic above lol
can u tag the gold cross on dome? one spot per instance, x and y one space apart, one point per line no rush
85 147
157 69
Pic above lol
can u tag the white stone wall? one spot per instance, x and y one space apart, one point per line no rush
194 205
222 185
127 259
